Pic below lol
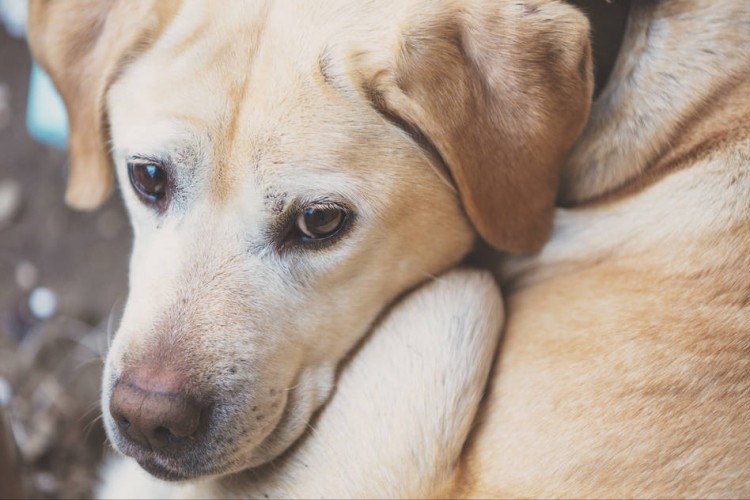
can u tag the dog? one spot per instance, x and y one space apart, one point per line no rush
622 371
290 169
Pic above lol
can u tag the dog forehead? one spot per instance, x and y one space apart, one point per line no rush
198 76
250 84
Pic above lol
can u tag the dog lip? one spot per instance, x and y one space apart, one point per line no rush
160 471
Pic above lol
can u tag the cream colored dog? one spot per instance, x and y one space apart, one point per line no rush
624 366
290 169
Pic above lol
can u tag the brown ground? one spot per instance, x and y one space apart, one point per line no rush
52 366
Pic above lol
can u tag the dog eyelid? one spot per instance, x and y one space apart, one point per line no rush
289 234
151 178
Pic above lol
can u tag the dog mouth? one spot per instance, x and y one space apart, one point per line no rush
235 431
217 449
170 466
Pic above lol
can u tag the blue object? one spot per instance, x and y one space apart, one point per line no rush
46 118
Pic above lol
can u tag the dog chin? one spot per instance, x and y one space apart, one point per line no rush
170 468
176 469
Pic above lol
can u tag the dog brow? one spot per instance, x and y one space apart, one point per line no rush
325 67
331 77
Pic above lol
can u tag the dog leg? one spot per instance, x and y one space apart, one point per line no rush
404 405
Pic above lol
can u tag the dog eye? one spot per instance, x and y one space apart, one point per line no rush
149 179
318 223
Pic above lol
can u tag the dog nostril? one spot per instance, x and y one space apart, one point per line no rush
163 433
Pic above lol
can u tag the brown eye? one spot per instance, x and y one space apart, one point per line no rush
317 223
149 179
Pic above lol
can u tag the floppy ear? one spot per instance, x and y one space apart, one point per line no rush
500 90
82 44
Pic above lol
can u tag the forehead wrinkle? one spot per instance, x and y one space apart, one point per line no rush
331 77
188 40
245 57
327 71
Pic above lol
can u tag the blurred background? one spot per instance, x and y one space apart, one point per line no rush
62 274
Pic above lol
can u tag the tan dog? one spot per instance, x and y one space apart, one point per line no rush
625 366
289 169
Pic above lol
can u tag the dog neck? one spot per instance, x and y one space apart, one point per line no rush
608 22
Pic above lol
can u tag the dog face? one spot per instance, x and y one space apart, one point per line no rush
289 170
289 218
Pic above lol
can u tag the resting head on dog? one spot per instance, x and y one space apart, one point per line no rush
291 168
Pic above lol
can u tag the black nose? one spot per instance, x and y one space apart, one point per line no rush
155 409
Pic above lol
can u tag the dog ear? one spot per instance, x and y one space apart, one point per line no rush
500 91
82 44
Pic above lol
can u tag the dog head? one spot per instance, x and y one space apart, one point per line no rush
290 168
